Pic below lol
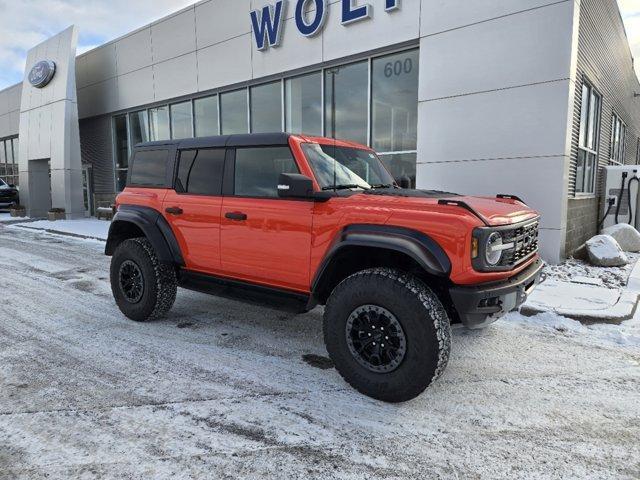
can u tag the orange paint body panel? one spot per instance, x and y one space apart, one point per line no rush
283 242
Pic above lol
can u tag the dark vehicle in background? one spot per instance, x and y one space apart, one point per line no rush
9 194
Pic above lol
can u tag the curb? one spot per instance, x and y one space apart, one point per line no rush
624 309
58 232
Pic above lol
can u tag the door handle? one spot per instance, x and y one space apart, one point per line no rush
239 216
174 211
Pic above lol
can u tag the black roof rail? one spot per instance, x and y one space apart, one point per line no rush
507 196
466 206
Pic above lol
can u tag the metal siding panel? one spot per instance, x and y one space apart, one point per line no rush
604 59
97 150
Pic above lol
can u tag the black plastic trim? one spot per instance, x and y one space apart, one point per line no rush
506 196
466 299
481 234
228 141
466 206
422 248
244 291
154 226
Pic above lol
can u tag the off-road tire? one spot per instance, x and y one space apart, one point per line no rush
421 315
160 284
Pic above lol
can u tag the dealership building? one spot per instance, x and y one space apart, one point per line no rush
527 97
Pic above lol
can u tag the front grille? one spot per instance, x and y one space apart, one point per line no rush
525 239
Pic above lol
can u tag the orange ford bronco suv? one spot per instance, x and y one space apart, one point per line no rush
296 221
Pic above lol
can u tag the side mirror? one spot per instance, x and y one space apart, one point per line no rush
294 185
12 185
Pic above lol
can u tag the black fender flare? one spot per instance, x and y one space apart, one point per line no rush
154 226
417 245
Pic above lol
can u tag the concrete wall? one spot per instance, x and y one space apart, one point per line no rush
10 111
495 99
605 61
49 132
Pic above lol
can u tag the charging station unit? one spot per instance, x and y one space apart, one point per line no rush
620 202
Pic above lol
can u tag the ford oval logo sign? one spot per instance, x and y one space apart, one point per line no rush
42 73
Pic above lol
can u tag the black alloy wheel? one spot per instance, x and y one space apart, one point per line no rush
376 339
131 281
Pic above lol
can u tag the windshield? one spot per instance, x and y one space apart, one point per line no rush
344 167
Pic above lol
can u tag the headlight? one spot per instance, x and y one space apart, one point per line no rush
494 249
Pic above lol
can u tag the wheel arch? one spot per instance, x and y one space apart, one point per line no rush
133 221
364 246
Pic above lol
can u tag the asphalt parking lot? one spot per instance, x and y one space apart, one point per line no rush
224 390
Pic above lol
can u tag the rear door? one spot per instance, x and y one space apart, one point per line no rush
264 239
192 208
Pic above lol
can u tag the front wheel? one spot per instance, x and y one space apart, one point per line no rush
143 288
387 333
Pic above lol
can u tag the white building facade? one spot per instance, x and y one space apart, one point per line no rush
473 97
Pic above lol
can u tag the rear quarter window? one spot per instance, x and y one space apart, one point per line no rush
149 168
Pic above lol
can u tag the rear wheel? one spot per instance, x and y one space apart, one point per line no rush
143 288
387 333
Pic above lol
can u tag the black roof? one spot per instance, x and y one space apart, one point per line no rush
243 140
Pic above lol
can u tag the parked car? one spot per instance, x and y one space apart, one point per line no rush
297 221
9 195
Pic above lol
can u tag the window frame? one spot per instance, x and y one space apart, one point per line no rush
584 133
176 171
229 181
169 169
617 155
246 87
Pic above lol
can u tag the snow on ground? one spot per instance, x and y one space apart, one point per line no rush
87 227
572 269
220 389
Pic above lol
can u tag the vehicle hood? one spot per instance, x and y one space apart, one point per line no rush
493 211
499 211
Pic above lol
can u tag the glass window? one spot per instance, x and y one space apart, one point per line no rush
3 155
303 104
346 167
200 172
121 153
149 168
346 96
394 94
139 125
587 160
159 123
618 139
401 165
181 120
258 170
266 108
16 152
233 111
206 113
9 149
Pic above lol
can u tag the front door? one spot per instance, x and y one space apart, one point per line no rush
193 207
265 239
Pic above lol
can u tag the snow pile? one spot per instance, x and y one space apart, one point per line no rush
604 251
627 237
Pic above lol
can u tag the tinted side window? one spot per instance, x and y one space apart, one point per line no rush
200 172
258 170
149 168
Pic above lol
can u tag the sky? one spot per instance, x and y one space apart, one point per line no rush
25 23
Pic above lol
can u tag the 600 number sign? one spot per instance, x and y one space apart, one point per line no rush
397 68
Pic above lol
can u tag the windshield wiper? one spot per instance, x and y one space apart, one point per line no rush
383 185
345 187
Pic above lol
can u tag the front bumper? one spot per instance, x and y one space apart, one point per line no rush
480 305
8 200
